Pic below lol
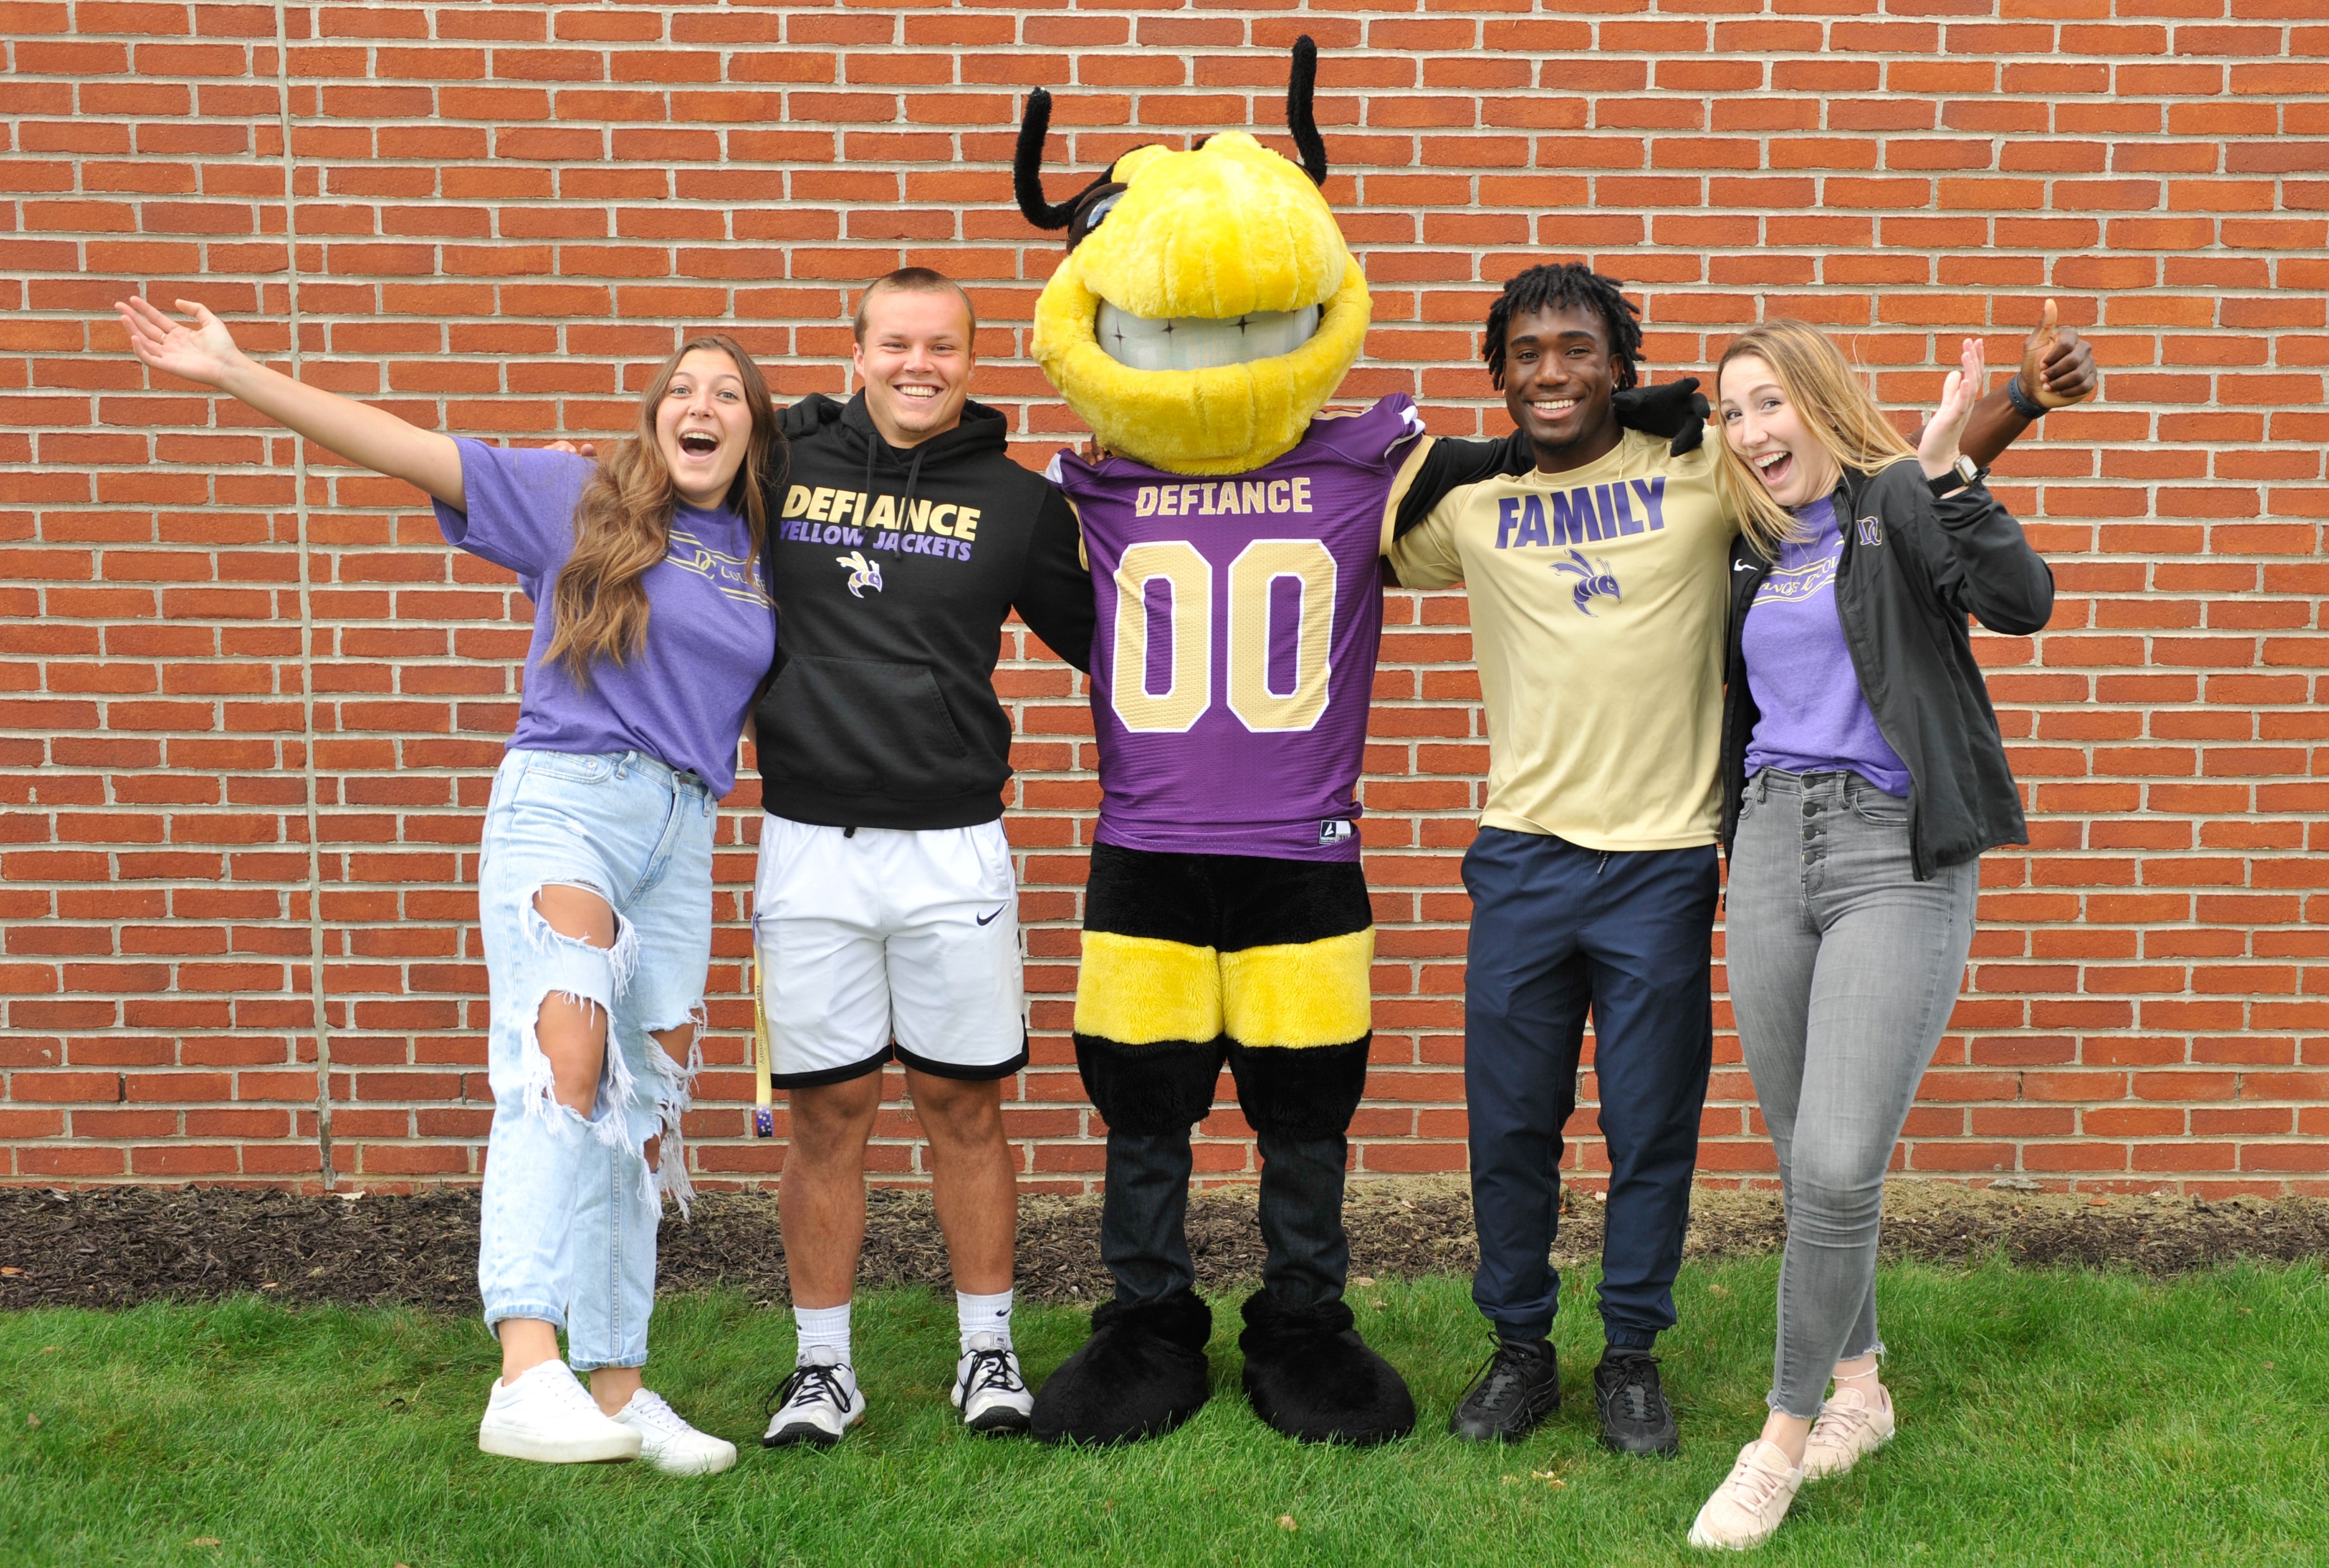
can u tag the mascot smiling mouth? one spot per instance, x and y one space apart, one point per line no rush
1207 306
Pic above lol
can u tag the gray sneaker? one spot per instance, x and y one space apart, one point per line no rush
989 1390
818 1402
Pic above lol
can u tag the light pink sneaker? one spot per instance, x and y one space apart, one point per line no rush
1849 1426
1748 1507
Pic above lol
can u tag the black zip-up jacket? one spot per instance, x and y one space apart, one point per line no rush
893 571
1912 569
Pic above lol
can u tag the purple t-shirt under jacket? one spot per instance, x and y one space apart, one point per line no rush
711 630
1813 717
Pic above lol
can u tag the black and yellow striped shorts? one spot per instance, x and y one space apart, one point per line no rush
1190 960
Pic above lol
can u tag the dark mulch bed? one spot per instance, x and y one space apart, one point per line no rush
113 1247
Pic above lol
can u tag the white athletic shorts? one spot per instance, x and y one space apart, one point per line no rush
875 942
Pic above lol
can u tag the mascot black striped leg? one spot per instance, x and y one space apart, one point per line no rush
1149 1046
1298 947
1191 961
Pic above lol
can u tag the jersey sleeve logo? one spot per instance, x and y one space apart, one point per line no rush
1595 584
862 573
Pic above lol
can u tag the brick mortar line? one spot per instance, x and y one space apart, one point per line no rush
315 991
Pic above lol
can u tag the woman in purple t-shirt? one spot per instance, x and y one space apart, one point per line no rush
1864 776
653 627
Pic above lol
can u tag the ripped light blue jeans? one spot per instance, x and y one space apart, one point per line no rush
568 1231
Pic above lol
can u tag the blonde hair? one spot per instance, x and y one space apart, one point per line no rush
1837 410
622 527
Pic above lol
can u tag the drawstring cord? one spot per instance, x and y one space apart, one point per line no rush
875 446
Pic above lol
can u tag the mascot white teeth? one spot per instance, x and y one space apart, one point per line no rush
1206 311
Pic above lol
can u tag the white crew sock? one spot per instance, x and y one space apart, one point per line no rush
983 1315
823 1328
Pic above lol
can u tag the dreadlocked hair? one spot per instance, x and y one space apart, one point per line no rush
1553 287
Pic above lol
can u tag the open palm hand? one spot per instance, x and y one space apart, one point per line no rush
203 353
1937 449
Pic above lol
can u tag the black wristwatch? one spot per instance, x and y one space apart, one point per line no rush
2028 407
1963 475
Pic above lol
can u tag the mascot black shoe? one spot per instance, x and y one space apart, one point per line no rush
1141 1374
1308 1374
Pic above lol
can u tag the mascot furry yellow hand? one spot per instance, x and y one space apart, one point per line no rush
1207 310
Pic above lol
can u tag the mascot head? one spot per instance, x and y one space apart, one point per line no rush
1207 307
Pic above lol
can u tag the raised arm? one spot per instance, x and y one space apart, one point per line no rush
2058 369
1981 562
205 354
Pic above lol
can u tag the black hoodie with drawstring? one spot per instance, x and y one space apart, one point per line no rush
893 571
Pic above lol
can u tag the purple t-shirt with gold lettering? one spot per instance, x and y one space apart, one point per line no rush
711 630
1813 717
1235 657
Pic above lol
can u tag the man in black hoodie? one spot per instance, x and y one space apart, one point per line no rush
885 908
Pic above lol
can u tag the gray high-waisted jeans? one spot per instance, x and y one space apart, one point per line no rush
1844 970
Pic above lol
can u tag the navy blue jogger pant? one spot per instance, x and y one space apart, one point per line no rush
1557 931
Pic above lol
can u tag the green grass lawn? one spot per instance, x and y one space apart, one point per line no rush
2047 1418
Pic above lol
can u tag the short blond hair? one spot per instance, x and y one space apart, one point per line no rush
1836 408
912 281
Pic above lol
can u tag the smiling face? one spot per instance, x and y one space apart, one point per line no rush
704 427
1768 432
915 361
1559 374
1205 320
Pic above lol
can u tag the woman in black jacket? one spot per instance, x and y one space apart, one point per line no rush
1862 776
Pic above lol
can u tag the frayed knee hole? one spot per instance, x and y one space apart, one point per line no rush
678 1043
578 911
568 1086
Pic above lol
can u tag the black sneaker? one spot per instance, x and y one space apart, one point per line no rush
1519 1388
1635 1418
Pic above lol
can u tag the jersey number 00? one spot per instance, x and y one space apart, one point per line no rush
1185 617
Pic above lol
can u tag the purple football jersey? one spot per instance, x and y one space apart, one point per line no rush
1235 653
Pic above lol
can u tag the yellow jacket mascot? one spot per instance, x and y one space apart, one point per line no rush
1206 311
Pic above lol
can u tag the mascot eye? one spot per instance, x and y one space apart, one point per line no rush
1090 207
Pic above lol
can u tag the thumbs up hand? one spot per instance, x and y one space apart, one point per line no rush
2058 368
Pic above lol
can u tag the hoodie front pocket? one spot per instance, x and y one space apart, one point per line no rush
868 724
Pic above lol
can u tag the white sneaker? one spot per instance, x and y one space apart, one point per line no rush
989 1390
669 1443
1747 1508
1849 1427
547 1416
817 1404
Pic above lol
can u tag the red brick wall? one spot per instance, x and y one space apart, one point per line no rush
502 211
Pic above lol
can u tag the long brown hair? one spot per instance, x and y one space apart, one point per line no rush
623 526
1837 410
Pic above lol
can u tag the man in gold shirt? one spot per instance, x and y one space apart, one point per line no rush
1596 566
